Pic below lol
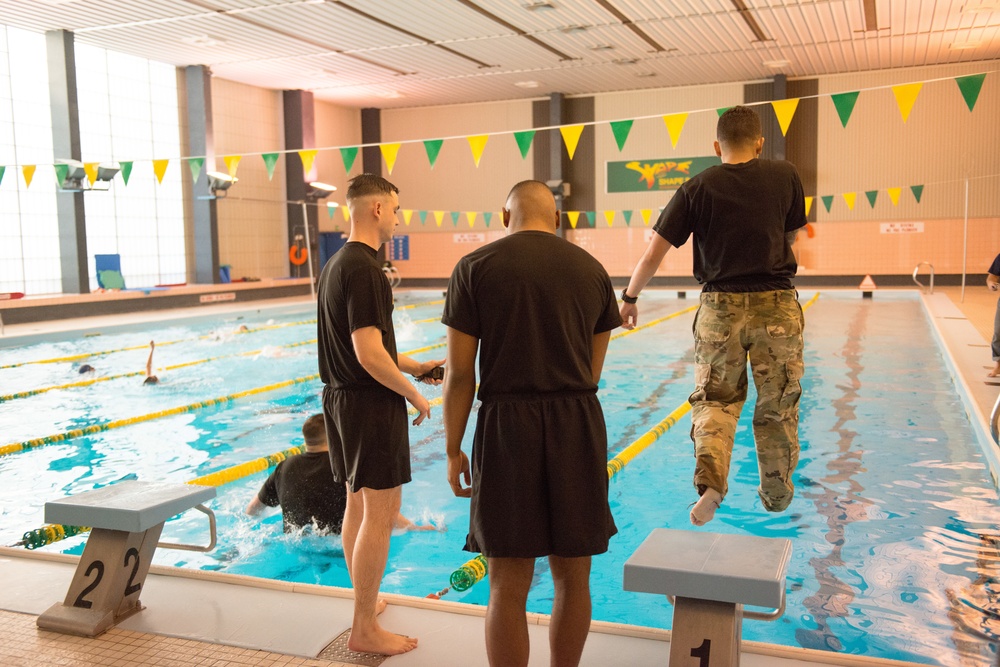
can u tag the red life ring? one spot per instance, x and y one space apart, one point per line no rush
297 255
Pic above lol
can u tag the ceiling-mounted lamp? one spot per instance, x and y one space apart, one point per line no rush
219 183
317 190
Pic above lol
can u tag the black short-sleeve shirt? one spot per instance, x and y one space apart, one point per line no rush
304 487
995 266
739 215
535 301
353 293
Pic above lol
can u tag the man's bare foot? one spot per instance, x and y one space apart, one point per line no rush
704 510
995 372
382 642
380 606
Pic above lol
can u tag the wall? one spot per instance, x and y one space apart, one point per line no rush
335 126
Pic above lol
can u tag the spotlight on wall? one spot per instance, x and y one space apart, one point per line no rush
76 176
219 183
106 172
317 190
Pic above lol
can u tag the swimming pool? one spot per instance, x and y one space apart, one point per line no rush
893 527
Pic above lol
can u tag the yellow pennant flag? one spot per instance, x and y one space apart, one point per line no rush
646 212
784 110
471 217
346 212
906 95
894 195
675 123
233 163
389 153
809 205
610 217
573 216
160 168
438 217
307 157
571 137
849 197
477 144
407 214
90 168
29 173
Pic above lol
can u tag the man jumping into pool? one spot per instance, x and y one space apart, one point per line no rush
364 401
742 214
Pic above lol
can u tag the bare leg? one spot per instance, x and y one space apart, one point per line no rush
704 510
506 621
371 550
571 610
353 517
995 372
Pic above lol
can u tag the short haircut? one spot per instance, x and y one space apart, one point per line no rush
364 185
738 126
525 187
314 430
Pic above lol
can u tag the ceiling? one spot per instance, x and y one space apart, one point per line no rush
401 53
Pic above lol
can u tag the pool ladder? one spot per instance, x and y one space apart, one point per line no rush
995 422
916 269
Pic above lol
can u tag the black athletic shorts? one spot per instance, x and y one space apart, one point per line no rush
540 477
369 438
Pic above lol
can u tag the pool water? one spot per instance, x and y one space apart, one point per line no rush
894 524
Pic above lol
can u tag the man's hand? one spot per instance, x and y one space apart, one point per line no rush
426 367
422 407
630 315
458 469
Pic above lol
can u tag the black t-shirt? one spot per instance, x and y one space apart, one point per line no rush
995 266
353 293
535 301
304 487
739 215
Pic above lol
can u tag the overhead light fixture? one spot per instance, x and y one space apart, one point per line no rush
317 190
776 64
625 61
389 94
645 75
539 6
602 47
982 7
203 40
219 183
964 46
571 29
527 84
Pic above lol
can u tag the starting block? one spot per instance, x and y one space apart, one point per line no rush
709 577
126 519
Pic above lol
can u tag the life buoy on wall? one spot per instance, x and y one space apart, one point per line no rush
810 232
297 255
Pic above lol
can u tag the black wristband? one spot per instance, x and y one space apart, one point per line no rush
628 299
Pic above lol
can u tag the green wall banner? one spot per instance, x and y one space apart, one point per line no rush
649 175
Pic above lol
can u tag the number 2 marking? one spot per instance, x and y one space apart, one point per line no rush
81 600
131 588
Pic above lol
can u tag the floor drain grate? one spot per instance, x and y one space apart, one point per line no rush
337 650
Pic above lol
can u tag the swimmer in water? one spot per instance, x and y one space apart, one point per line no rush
150 378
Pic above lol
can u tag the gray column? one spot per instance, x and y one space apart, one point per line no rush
300 133
774 141
66 145
371 156
200 141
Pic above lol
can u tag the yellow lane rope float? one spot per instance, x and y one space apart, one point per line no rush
653 323
421 305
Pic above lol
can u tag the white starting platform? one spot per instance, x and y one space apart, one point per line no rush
126 520
709 577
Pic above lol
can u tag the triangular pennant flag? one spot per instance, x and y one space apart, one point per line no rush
28 171
970 87
894 195
477 144
827 201
438 217
2 170
571 137
785 110
849 197
423 217
233 162
845 105
407 215
195 164
90 168
524 139
471 217
347 156
628 217
454 218
917 191
675 124
906 95
61 171
722 110
809 205
433 147
487 215
573 216
621 128
160 168
609 216
307 156
330 208
645 213
346 212
872 196
126 170
270 160
389 153
591 217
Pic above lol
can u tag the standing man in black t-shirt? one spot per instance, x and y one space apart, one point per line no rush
364 401
742 214
993 282
543 310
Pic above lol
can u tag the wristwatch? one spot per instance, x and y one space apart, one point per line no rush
628 299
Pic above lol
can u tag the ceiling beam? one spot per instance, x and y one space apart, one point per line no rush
513 28
751 22
871 16
627 22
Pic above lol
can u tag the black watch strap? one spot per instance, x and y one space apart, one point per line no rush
628 299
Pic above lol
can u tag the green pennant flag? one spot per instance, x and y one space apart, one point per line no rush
827 201
454 218
845 105
330 209
433 147
970 87
61 171
423 217
524 139
722 110
621 128
349 155
2 170
487 215
918 191
195 164
872 196
591 216
126 170
628 217
270 160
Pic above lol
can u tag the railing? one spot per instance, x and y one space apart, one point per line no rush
392 273
995 421
916 269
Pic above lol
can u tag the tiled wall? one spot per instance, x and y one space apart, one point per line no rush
335 127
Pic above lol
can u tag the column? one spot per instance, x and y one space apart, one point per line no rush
200 141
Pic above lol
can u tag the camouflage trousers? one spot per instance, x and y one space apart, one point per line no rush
729 329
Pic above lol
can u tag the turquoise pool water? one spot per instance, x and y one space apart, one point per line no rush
894 525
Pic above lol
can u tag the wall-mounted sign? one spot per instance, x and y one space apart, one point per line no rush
213 298
400 248
469 237
653 175
902 227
